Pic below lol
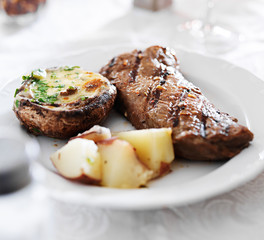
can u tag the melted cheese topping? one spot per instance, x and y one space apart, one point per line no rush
67 85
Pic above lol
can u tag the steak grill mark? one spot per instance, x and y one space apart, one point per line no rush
203 124
163 76
111 64
133 73
156 93
175 110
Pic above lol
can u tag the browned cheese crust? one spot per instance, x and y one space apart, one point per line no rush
152 93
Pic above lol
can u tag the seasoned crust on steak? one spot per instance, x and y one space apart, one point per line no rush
62 119
153 93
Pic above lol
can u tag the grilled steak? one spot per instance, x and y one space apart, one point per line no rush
152 93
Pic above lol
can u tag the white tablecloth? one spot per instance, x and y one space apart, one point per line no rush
67 26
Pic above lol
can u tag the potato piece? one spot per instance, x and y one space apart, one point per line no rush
79 160
96 133
153 146
121 166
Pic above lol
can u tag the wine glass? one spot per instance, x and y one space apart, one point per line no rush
215 38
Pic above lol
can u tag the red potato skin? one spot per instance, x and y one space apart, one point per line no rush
90 136
164 168
95 136
108 141
81 179
86 180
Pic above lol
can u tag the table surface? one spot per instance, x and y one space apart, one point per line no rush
69 26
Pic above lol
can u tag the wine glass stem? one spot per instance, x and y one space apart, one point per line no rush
207 17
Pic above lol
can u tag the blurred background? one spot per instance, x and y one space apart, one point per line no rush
61 26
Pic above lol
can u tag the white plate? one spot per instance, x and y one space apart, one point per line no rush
230 88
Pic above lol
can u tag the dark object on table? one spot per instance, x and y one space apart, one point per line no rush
153 5
152 93
14 166
20 7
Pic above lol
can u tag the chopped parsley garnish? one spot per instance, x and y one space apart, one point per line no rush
36 75
83 98
49 98
60 86
36 130
71 87
39 74
53 76
17 103
40 92
16 92
66 68
26 77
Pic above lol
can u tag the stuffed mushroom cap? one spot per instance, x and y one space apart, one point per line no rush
61 102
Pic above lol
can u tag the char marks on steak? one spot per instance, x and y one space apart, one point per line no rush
152 93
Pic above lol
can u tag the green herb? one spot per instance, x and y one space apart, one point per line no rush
53 76
36 75
90 160
71 87
39 74
67 68
40 92
36 130
17 103
16 92
26 89
83 98
60 86
26 77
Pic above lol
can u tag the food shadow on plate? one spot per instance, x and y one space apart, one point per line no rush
183 171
